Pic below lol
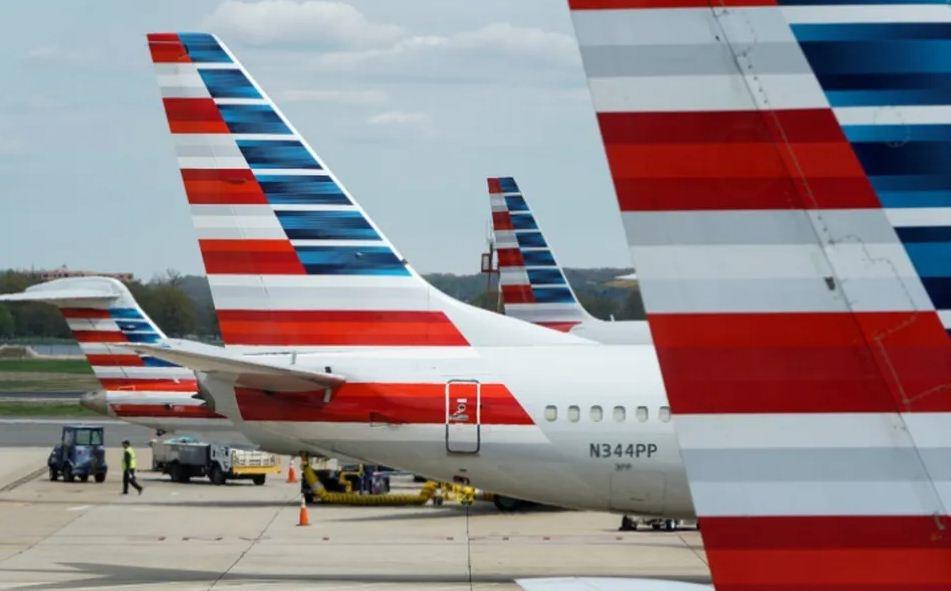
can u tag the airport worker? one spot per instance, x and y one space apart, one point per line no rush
128 468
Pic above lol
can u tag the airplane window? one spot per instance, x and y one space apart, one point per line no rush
596 414
620 413
665 414
574 414
642 414
551 413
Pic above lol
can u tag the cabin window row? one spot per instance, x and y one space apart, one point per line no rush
618 414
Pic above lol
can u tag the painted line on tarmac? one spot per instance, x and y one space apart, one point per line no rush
79 508
24 479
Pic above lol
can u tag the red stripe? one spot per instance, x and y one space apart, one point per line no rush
167 48
494 185
99 336
518 294
115 360
379 403
164 411
672 194
145 385
85 313
793 125
559 326
803 362
510 257
250 257
787 159
193 115
626 4
501 220
222 186
329 327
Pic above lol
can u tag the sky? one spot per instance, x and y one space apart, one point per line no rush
412 104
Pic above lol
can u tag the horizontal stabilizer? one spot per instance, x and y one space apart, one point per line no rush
244 371
62 295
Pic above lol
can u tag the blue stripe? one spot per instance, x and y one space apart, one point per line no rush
545 277
350 260
878 57
228 84
125 325
155 362
252 119
552 295
125 313
872 98
902 199
914 234
515 203
915 158
897 133
319 190
136 337
538 258
931 259
921 182
523 221
202 47
326 225
508 185
530 240
871 31
276 154
939 290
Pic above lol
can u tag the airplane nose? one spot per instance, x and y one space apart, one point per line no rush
95 401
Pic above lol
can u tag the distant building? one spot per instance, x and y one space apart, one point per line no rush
63 273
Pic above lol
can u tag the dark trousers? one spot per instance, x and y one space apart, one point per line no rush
128 477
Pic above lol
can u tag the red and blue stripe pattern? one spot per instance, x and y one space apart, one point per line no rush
291 258
794 317
533 286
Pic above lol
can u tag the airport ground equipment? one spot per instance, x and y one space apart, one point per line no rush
184 457
79 454
314 490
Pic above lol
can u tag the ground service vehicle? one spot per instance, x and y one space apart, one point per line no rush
79 454
185 457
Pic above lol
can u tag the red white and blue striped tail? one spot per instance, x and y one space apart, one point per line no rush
104 319
781 167
534 288
292 258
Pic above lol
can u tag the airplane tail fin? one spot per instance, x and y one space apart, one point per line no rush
534 287
104 318
292 258
781 170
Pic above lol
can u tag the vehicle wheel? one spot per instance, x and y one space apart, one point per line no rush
175 472
217 476
508 504
68 473
84 478
100 477
258 479
309 498
53 473
627 524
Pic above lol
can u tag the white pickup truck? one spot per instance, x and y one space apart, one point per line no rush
184 457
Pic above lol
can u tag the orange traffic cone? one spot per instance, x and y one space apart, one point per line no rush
304 518
291 473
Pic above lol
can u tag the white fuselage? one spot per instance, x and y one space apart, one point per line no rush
557 452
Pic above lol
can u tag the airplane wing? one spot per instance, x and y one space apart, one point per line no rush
247 372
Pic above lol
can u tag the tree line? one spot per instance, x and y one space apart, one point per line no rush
181 304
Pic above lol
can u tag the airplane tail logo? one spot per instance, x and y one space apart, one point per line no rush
291 258
781 170
534 288
103 316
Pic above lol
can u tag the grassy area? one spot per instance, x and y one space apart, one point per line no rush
44 409
73 366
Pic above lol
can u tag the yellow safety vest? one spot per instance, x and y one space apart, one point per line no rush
129 461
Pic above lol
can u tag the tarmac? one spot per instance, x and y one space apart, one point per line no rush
56 535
